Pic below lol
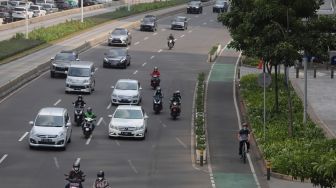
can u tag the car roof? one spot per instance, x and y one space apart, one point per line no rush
130 107
67 51
119 28
182 17
82 64
128 80
56 111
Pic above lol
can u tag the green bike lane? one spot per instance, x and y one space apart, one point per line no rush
222 125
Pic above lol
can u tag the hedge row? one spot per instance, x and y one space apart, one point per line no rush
199 120
305 155
44 35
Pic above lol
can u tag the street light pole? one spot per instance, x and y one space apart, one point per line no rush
26 22
82 11
305 60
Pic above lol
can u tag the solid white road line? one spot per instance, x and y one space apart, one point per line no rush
182 36
99 121
145 38
3 158
88 140
144 64
180 141
160 50
239 121
155 33
56 162
132 166
23 136
152 57
137 43
108 106
57 102
136 71
78 160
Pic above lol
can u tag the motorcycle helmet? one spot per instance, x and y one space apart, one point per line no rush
76 166
100 174
80 97
156 69
89 110
158 90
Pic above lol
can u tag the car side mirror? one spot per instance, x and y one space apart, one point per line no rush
52 58
31 123
146 117
110 116
68 124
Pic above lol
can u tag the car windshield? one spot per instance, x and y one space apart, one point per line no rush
2 15
13 3
79 72
19 9
65 56
49 121
149 19
220 2
194 3
116 53
126 86
46 6
34 8
119 32
179 19
128 114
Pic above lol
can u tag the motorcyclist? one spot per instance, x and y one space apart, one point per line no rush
158 93
155 72
79 102
75 175
244 136
101 182
90 114
176 97
171 37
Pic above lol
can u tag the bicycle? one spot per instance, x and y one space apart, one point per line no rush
244 152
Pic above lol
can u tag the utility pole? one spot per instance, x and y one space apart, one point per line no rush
305 60
82 11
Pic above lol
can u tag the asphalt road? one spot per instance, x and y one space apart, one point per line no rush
162 160
7 34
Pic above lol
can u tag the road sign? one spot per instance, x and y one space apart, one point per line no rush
268 80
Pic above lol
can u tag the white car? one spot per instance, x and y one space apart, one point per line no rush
126 91
38 10
51 128
128 121
21 13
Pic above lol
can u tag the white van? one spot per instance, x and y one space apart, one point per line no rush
80 77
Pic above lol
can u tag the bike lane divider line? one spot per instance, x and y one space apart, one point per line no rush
144 64
57 102
136 71
145 38
152 57
56 162
137 43
23 136
99 121
108 106
88 140
180 141
132 166
182 36
3 158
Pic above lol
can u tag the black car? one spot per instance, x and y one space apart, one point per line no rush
6 17
87 3
61 62
220 6
117 57
148 23
195 7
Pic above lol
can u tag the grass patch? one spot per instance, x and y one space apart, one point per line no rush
213 49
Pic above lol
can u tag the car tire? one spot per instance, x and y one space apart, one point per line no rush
129 63
104 65
69 141
31 147
66 92
125 66
63 148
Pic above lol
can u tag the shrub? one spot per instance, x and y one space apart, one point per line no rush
213 50
250 61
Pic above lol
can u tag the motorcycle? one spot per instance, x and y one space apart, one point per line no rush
175 110
170 44
157 104
74 183
155 81
87 127
79 114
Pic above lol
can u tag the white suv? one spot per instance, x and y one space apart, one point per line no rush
51 128
21 13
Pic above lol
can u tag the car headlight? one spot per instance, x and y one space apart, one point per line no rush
114 95
113 127
135 96
140 127
86 81
68 80
61 135
123 59
105 59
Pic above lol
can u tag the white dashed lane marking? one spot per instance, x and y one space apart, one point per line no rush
180 141
23 136
182 36
132 166
152 57
3 158
109 106
204 23
136 71
57 102
56 162
137 43
189 31
99 121
160 50
88 140
144 64
154 33
145 38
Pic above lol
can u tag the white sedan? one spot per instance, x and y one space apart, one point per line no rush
128 121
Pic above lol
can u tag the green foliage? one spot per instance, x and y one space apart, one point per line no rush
47 34
308 154
250 61
199 120
213 50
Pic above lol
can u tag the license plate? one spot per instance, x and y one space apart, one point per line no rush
126 133
87 128
46 140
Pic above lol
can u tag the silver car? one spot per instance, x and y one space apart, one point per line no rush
126 91
120 36
80 77
128 121
180 22
51 128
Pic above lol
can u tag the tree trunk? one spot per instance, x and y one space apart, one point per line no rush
276 89
289 100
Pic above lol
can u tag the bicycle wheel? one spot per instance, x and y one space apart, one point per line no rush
244 152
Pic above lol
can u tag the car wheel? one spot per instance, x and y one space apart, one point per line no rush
31 147
129 63
104 65
63 148
69 141
66 92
